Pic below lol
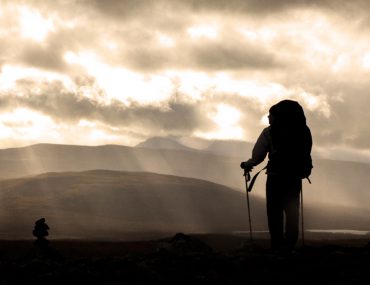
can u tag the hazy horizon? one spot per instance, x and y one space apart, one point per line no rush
119 72
203 144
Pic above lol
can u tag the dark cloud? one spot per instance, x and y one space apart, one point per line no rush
67 107
127 9
232 57
207 57
266 7
228 53
124 9
41 56
168 15
150 59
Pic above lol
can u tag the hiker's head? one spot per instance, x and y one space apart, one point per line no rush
287 112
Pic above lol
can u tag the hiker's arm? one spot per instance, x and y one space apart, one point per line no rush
261 148
259 152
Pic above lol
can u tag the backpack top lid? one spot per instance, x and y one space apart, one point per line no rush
288 112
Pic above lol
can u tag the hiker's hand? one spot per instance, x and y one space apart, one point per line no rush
246 166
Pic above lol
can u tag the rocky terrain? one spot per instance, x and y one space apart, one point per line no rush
185 259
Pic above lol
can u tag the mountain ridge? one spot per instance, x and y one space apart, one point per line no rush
164 143
336 182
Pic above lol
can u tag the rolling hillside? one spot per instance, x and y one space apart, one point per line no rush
104 203
334 182
41 158
101 204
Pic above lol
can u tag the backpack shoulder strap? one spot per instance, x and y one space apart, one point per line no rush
254 179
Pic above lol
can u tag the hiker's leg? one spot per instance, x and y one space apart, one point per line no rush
275 214
291 207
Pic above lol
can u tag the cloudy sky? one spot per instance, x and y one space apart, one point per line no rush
105 71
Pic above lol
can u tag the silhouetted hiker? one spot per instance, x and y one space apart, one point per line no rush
288 143
41 232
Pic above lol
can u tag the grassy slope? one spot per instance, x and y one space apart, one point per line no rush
113 205
105 202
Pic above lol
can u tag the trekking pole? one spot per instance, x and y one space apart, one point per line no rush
302 219
247 177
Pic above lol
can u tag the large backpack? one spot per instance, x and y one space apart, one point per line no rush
291 141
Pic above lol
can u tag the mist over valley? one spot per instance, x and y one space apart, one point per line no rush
119 192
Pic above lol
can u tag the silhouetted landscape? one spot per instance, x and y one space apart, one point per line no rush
126 128
334 182
114 211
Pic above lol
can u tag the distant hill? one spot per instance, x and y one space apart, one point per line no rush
333 182
163 143
113 204
41 158
101 204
